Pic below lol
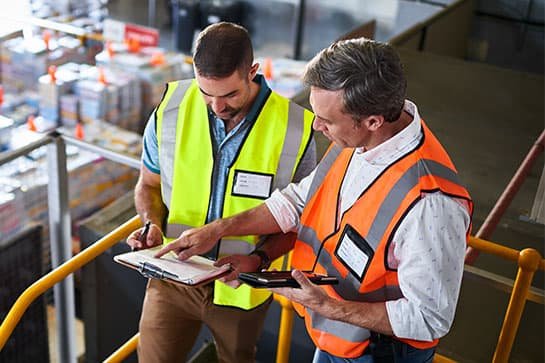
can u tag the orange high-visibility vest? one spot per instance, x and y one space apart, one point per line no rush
374 218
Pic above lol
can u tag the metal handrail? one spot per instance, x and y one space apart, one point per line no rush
123 351
7 156
510 191
108 154
54 25
58 274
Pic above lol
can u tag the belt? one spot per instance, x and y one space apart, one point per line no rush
384 348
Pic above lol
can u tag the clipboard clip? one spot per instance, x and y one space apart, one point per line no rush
151 271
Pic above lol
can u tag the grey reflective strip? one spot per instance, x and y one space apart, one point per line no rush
292 141
233 246
347 287
394 198
168 140
308 235
343 330
322 169
175 230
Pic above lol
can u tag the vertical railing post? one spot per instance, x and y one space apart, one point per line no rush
529 260
61 248
284 330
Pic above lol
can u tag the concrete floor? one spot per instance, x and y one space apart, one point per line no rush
488 118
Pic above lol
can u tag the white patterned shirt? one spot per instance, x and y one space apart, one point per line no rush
427 249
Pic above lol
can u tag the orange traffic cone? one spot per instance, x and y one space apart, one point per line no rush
79 131
110 49
46 36
268 69
52 70
102 76
31 124
157 59
133 45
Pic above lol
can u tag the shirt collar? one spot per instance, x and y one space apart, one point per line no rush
399 144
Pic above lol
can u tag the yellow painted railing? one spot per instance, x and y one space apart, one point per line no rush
529 261
58 274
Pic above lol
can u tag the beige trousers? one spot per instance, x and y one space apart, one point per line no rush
172 316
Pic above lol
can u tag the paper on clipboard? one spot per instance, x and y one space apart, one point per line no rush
194 271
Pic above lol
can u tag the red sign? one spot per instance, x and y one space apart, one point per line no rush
147 37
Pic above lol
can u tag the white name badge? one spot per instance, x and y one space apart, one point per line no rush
255 185
354 252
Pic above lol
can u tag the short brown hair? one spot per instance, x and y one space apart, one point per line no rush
221 49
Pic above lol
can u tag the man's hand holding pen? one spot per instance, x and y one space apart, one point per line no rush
146 237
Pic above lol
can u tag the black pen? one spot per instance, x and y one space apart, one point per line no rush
144 234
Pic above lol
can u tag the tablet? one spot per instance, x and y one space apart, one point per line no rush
268 279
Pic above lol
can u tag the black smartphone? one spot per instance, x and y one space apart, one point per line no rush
267 279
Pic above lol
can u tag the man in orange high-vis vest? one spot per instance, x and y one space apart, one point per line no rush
384 211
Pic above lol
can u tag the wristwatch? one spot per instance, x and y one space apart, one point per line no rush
265 260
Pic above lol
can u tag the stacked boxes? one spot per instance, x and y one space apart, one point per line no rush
152 67
25 60
51 87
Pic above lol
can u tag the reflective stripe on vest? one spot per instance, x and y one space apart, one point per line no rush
399 187
186 159
323 167
166 134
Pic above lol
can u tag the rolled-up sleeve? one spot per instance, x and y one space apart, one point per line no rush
430 247
287 205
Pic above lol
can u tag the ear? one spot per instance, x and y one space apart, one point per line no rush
373 122
253 71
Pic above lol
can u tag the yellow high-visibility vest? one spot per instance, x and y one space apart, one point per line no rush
267 160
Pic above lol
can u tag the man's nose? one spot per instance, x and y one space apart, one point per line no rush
217 105
317 124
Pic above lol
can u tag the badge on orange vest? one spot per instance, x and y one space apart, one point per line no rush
354 252
252 184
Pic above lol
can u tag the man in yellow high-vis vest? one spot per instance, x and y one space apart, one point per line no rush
215 146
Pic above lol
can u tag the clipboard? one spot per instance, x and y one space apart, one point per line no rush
194 271
267 279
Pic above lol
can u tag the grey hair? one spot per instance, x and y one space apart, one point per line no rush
369 73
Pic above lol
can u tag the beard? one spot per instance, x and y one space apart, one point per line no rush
227 113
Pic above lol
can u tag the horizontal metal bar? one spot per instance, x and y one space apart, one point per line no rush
108 154
48 24
8 156
501 283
